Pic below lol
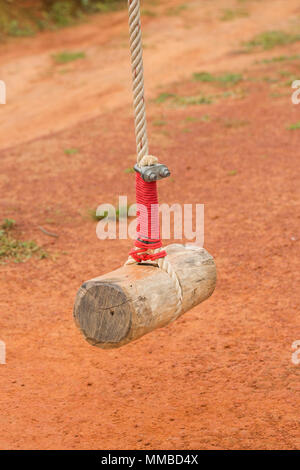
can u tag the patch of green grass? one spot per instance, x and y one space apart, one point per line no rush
203 77
232 172
71 151
67 56
225 78
192 100
17 19
65 13
8 224
61 13
15 250
102 7
229 14
129 170
205 118
281 58
183 100
270 39
230 78
14 28
293 127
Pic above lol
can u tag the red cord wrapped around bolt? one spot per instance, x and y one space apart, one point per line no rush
148 230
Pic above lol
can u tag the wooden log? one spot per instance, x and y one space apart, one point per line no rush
120 307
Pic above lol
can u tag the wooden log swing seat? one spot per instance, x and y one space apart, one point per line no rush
155 286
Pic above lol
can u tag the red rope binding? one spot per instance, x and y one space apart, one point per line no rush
148 231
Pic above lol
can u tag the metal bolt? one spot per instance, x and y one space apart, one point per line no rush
164 172
152 172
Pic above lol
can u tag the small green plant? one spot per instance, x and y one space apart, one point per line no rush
293 127
15 250
129 170
229 15
270 39
71 151
232 172
66 56
8 224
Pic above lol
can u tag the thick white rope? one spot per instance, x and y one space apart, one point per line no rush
143 159
165 265
136 51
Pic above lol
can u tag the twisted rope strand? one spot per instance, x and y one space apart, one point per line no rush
138 78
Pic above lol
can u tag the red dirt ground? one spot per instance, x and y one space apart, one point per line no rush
221 377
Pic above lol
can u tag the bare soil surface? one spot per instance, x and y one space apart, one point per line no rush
221 377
